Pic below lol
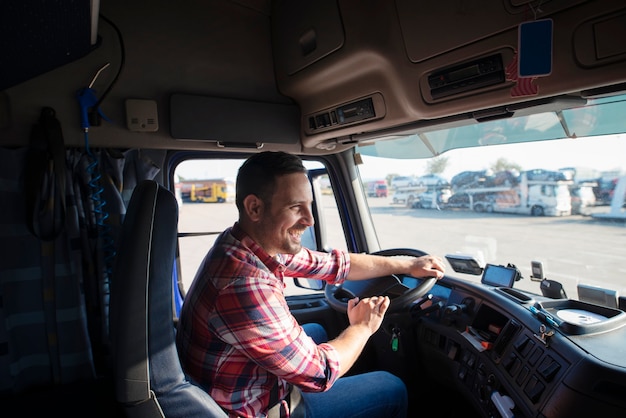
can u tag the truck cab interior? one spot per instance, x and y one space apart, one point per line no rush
108 107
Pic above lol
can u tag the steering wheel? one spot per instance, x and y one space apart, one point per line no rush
401 295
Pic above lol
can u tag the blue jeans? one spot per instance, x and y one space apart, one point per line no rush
367 395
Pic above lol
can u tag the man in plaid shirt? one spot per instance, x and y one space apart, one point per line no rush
236 336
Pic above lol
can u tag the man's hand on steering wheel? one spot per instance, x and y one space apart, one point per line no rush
375 276
427 266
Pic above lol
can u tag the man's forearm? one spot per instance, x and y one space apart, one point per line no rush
349 345
365 266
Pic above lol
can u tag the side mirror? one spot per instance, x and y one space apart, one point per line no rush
310 284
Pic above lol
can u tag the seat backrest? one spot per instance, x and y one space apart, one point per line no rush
149 381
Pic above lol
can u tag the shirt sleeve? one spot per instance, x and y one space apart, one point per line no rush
332 267
254 318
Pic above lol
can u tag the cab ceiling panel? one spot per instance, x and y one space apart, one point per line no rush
148 50
212 47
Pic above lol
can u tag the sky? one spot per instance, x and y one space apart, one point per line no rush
548 155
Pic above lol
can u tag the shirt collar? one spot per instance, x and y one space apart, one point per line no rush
272 263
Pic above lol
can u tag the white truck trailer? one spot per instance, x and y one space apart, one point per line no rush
528 197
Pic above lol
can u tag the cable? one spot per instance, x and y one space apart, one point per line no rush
90 112
122 60
99 208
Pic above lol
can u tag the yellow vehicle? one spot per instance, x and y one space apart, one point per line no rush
208 191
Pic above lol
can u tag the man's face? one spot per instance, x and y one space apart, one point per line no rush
284 220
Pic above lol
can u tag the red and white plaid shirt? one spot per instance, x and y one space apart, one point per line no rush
236 336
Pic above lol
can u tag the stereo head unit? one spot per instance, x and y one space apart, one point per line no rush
468 76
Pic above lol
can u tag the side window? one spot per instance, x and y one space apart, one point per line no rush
205 189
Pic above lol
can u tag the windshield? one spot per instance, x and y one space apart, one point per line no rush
595 118
519 200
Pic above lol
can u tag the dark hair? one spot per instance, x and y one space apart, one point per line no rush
257 175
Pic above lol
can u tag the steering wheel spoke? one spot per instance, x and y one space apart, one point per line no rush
344 294
400 294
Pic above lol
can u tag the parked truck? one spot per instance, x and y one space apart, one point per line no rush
207 191
376 188
529 197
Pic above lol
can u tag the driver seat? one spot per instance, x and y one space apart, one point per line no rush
149 381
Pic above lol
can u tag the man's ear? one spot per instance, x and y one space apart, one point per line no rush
253 206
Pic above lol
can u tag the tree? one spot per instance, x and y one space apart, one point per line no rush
390 177
502 164
437 165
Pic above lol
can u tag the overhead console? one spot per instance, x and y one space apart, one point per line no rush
409 63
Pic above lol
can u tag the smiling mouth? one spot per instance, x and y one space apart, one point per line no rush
296 233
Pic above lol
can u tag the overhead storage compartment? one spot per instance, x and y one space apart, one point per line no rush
598 40
465 23
304 32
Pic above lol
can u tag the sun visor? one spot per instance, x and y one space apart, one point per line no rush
233 121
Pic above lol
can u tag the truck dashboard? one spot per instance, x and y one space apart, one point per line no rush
520 354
